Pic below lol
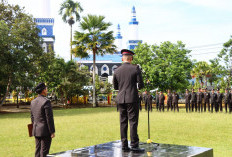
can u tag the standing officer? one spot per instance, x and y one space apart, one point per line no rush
200 97
187 100
157 100
125 79
161 101
219 100
175 98
169 101
213 99
42 120
230 104
206 100
194 100
140 101
227 99
148 101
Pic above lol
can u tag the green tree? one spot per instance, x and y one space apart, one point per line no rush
94 37
166 66
201 71
67 9
19 48
225 57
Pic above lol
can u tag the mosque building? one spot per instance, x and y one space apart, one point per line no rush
106 65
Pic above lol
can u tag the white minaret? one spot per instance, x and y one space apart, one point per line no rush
133 26
118 39
133 31
46 9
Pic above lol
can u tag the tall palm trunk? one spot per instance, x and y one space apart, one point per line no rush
94 90
71 42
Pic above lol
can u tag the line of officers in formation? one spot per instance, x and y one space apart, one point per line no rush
201 100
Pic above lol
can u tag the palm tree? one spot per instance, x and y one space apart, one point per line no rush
94 38
201 71
67 9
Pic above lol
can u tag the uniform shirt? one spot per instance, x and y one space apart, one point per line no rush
206 97
213 97
175 98
161 98
170 97
193 97
157 98
227 97
187 97
200 96
219 97
125 79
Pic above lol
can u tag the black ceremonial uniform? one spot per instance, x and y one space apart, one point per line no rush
227 100
43 124
187 101
194 101
148 102
161 102
230 104
157 101
213 99
200 97
206 101
169 101
219 102
175 98
125 80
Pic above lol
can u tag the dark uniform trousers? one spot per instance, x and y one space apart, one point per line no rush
206 102
169 103
227 104
157 102
161 106
42 146
200 106
213 105
227 100
187 106
129 112
175 105
194 105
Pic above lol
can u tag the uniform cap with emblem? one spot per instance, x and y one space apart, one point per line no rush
127 52
40 87
218 89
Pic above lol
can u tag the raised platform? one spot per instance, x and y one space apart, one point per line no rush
113 149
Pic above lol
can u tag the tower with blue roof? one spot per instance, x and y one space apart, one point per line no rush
45 25
133 31
118 39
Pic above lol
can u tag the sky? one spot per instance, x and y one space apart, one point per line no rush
203 25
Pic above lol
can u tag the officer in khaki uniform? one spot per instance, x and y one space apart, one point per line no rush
43 122
125 79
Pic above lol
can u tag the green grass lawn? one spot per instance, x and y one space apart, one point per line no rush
77 128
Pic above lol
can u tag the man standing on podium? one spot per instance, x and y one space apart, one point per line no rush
42 120
125 79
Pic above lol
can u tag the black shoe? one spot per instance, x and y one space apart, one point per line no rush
137 150
126 149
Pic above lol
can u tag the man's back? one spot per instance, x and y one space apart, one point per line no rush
42 117
125 80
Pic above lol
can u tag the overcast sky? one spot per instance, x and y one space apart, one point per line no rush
203 25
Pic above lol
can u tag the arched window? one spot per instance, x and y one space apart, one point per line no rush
44 31
105 69
96 69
